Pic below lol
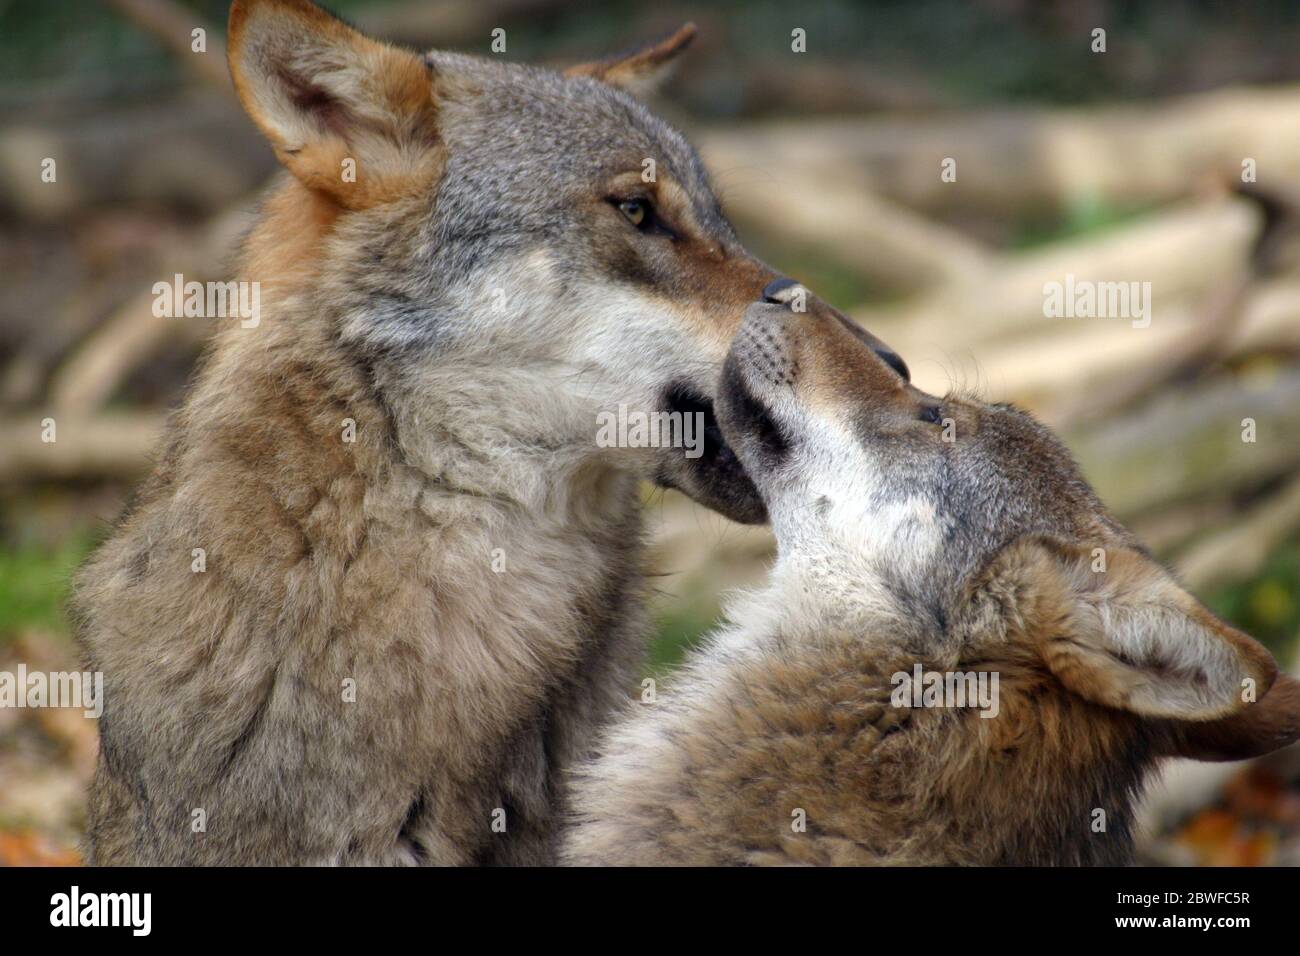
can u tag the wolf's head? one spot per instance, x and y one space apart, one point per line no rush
497 237
968 531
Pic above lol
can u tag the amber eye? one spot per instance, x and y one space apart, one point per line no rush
637 211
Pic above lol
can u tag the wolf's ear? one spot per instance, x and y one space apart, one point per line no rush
642 70
1266 724
351 117
1116 629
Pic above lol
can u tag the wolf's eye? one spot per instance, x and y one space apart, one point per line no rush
643 217
932 414
637 211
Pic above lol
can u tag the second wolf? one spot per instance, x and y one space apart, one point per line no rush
920 540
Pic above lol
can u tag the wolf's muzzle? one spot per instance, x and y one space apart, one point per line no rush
783 291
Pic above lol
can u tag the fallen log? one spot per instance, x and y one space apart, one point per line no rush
1028 161
133 335
1189 443
1186 252
200 153
109 445
890 246
1246 545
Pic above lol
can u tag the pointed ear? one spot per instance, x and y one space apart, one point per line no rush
325 95
641 71
1116 629
1266 724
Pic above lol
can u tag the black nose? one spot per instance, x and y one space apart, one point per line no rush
894 361
772 291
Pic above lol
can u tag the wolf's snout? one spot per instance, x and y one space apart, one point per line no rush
763 346
798 301
893 360
879 348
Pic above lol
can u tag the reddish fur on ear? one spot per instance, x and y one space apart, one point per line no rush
1268 724
322 94
643 69
1124 634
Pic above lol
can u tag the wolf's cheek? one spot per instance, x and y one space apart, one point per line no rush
709 286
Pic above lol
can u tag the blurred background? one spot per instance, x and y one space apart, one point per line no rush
1173 157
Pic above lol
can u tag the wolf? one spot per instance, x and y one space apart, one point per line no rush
384 583
919 536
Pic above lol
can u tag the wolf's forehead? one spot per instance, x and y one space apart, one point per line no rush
1023 477
578 125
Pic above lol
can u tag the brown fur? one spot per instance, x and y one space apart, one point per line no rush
813 729
394 147
643 68
806 723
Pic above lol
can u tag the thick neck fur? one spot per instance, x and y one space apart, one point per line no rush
456 444
1050 780
450 466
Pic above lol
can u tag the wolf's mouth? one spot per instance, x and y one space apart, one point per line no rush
749 415
716 478
716 453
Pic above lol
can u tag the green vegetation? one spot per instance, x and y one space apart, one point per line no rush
1267 607
1085 215
679 630
948 52
34 582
